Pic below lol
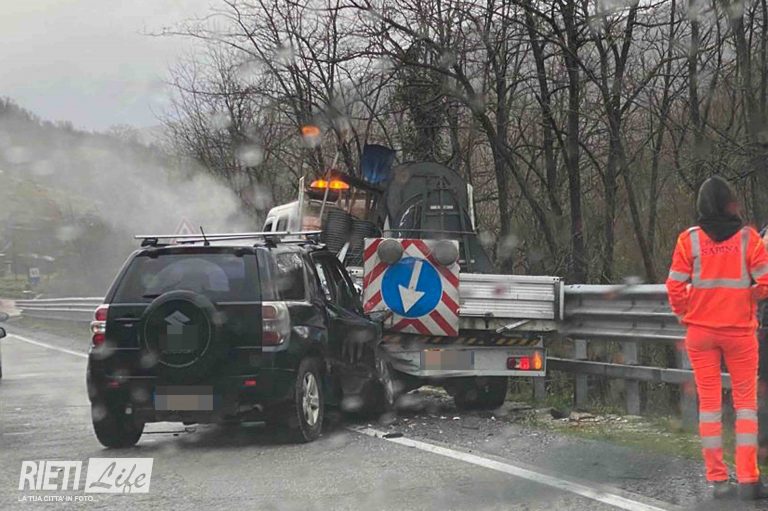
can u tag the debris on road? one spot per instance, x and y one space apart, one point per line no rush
581 416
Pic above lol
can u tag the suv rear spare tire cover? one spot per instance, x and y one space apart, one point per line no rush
179 331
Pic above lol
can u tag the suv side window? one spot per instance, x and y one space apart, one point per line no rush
289 276
345 295
325 282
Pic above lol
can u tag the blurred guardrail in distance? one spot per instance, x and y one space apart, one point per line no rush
632 315
63 309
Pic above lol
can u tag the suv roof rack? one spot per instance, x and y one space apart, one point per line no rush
153 240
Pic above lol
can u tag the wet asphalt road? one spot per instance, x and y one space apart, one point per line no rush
45 415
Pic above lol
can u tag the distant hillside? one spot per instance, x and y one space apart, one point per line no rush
78 196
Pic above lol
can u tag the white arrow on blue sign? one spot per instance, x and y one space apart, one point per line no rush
411 287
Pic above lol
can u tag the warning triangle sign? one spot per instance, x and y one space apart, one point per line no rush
184 227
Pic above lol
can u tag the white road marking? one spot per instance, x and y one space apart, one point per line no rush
49 346
599 495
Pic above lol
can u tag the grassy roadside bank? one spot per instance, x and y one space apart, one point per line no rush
660 434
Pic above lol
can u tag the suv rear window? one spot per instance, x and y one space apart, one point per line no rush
221 276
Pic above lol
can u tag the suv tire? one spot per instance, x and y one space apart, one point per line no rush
480 393
380 394
113 427
305 420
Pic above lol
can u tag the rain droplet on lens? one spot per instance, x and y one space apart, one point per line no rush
250 156
219 120
447 59
98 412
351 403
285 54
486 239
148 360
67 233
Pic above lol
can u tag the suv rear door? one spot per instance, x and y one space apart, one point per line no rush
227 276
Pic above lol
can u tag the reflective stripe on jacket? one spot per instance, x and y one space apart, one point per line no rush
717 284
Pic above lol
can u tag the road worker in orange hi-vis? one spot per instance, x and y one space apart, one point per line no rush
719 272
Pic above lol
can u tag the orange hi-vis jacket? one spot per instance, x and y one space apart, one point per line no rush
717 284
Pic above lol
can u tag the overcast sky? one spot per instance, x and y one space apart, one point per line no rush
87 61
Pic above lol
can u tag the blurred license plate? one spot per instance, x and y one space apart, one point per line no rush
454 360
184 398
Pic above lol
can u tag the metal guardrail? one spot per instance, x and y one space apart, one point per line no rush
632 315
639 312
63 309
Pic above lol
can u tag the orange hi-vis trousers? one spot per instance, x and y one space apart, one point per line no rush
706 348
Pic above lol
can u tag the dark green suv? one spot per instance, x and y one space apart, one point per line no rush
223 331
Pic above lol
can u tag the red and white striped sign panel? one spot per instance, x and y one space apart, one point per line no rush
421 292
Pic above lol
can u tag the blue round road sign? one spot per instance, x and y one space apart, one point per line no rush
411 287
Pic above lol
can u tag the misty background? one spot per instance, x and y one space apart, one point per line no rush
84 162
71 201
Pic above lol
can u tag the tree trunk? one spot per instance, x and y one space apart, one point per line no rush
578 263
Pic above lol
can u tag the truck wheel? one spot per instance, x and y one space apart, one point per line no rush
481 393
306 419
113 427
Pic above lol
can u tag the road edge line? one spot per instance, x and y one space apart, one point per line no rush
48 346
568 485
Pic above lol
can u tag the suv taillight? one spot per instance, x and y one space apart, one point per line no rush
276 323
99 325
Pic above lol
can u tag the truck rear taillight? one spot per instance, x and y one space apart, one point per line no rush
534 362
276 323
99 325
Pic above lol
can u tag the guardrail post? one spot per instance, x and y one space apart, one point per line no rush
689 408
631 387
539 388
581 389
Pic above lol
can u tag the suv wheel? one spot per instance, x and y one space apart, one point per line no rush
480 393
389 386
113 427
381 393
306 421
